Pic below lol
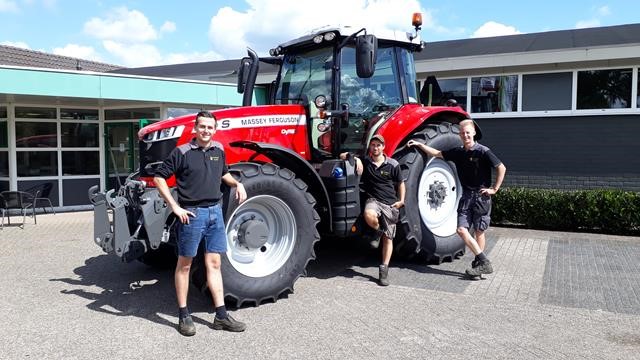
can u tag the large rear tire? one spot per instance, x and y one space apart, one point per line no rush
270 236
427 226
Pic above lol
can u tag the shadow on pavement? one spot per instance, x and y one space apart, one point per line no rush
131 289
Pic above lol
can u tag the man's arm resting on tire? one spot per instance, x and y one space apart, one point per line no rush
424 148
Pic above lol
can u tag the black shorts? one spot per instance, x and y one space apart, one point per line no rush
474 209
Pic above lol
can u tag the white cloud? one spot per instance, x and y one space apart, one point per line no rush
261 26
133 55
168 27
492 28
18 44
587 23
8 6
123 25
78 51
139 55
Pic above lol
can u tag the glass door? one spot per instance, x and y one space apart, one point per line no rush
121 153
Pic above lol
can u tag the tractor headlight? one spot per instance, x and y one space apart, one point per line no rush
164 134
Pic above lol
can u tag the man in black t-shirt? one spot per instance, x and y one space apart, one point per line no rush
383 186
199 167
474 163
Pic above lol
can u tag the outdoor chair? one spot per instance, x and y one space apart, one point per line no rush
41 193
18 200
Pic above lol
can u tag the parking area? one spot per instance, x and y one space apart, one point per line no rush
552 295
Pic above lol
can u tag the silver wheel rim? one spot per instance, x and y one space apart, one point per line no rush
438 195
281 236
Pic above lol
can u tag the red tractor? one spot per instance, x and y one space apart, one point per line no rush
333 92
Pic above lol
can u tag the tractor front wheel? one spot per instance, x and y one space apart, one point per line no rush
270 236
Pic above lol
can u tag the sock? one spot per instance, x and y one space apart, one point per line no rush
221 312
482 257
183 312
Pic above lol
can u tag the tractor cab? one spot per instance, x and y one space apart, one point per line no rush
347 81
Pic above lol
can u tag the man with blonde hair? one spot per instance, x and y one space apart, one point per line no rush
474 163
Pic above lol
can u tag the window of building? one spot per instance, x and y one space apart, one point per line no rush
494 93
79 134
36 134
37 163
543 92
79 114
3 112
454 89
132 114
4 164
32 112
4 134
174 112
80 163
604 89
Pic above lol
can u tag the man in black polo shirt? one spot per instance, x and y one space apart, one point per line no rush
383 186
199 167
474 163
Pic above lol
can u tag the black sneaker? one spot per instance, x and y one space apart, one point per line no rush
475 263
229 324
482 268
383 276
186 326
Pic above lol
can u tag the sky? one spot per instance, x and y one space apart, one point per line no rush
159 32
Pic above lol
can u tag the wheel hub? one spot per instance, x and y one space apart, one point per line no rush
437 193
253 234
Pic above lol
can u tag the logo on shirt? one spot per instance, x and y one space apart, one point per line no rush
214 158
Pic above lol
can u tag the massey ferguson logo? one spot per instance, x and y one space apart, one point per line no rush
263 121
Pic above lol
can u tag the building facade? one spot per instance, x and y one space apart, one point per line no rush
74 129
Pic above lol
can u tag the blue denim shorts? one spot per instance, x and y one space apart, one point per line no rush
208 224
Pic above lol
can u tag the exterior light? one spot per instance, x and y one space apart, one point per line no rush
317 39
329 36
416 20
320 101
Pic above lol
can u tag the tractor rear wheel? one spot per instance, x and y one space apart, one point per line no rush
428 224
270 236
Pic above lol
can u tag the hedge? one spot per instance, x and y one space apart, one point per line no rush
603 211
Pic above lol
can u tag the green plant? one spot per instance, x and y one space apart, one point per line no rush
602 210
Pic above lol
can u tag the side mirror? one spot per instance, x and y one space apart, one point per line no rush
366 53
243 74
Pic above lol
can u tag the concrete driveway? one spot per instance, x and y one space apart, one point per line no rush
552 295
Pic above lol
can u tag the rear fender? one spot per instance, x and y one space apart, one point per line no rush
291 160
409 119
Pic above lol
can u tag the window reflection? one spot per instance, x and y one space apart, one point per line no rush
79 114
37 163
494 93
4 163
455 89
80 163
23 112
604 89
79 135
36 134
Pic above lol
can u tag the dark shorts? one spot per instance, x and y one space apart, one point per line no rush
474 209
208 224
388 214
